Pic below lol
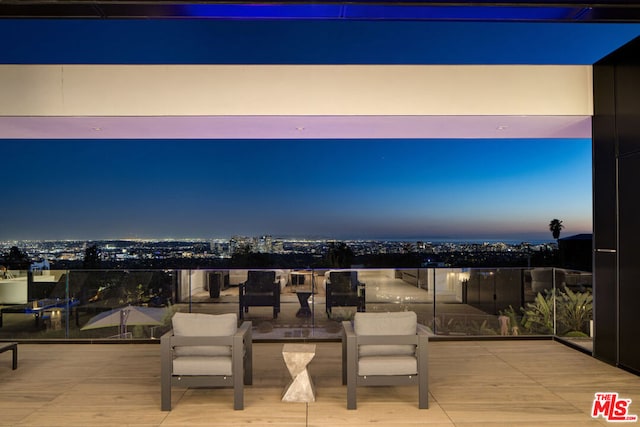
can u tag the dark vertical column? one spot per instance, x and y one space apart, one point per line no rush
616 198
605 215
627 78
628 260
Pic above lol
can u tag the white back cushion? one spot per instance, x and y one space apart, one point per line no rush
398 323
204 325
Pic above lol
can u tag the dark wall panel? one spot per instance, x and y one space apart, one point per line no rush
605 345
627 91
605 214
629 267
616 163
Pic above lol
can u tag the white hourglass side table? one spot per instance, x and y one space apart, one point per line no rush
297 357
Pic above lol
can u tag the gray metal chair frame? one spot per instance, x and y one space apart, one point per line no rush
242 365
350 377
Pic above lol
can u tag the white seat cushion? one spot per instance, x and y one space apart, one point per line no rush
202 365
397 323
387 365
204 325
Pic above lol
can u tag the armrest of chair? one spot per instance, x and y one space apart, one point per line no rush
165 342
242 340
244 329
166 365
349 351
243 335
424 330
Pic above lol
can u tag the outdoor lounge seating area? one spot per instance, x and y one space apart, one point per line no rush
498 383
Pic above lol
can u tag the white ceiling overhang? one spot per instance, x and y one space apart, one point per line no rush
294 101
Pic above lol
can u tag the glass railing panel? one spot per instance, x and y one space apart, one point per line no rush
121 303
479 301
573 308
464 303
297 312
399 289
33 305
312 303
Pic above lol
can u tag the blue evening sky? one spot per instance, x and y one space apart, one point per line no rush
407 189
412 189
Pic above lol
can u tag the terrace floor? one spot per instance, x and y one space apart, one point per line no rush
472 383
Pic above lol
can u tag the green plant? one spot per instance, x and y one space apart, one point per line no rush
485 329
538 315
574 310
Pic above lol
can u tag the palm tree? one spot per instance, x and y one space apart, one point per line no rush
555 226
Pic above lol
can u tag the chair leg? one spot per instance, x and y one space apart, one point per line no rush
248 371
351 395
352 374
423 396
165 399
344 361
166 362
238 392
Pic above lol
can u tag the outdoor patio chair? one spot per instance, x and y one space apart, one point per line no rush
260 290
381 349
343 289
206 350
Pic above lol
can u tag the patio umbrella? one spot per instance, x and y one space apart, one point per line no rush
123 316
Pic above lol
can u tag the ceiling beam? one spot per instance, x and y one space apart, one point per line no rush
526 11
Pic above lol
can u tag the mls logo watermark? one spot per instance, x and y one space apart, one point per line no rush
612 408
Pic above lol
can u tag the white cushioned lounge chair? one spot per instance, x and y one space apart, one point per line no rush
205 350
381 349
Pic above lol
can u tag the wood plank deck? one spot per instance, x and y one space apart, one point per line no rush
488 383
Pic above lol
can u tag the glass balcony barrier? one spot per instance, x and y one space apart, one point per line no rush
297 304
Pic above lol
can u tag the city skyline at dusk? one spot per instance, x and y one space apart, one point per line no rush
340 189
